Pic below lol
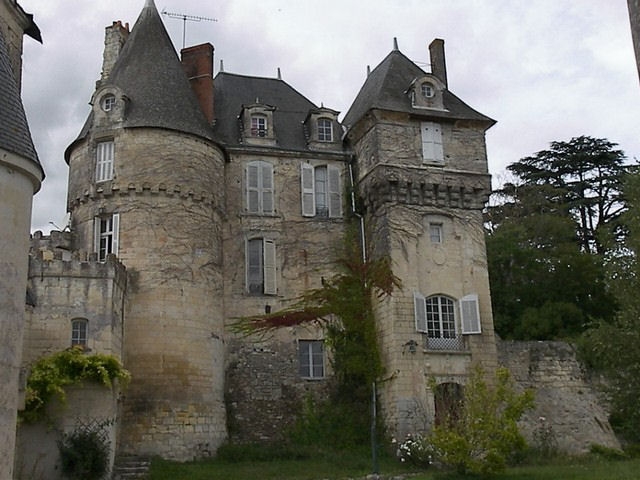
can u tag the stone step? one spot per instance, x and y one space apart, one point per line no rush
131 468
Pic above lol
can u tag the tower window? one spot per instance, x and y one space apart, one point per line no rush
435 232
427 89
79 328
261 266
431 134
106 235
108 102
259 126
325 130
104 161
311 358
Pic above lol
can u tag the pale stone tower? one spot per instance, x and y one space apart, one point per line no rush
143 178
422 173
20 177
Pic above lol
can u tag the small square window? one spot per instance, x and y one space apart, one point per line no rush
435 232
427 90
79 332
259 126
108 102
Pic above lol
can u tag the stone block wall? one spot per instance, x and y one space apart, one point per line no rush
566 401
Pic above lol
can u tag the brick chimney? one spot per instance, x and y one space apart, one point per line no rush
197 62
115 37
438 63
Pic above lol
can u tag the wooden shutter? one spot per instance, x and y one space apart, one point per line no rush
96 235
269 256
253 192
266 179
470 314
335 191
308 194
115 226
431 142
420 310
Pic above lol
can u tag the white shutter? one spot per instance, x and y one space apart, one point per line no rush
96 235
253 193
470 314
420 310
306 187
269 256
431 142
335 191
267 187
115 225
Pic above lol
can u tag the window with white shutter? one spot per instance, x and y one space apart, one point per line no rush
321 189
470 314
260 188
106 235
104 161
431 133
420 310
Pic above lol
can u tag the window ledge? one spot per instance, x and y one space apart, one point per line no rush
446 352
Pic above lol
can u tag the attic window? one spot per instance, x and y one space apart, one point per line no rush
259 126
108 102
428 90
325 130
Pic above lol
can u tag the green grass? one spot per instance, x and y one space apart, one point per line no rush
349 465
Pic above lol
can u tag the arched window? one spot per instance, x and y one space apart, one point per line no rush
79 331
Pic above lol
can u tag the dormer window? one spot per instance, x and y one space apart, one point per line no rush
259 126
108 102
428 90
325 130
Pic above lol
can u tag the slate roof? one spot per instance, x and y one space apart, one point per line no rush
232 91
149 73
14 129
385 89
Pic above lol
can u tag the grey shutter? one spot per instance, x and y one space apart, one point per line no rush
470 314
420 311
335 191
115 226
253 193
267 187
306 186
269 256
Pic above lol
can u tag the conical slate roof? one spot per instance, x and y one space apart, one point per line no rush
386 86
14 130
149 73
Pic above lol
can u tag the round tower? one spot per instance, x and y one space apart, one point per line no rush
144 184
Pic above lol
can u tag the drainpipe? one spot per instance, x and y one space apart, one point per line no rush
363 241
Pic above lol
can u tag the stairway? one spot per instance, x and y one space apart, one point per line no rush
128 467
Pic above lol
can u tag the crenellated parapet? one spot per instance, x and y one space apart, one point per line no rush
422 186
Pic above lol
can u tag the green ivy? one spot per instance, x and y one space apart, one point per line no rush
50 375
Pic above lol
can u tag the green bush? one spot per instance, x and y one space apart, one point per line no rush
484 435
84 452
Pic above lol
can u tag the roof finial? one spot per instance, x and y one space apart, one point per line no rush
395 43
279 75
221 65
368 70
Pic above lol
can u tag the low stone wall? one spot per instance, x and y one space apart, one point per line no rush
567 403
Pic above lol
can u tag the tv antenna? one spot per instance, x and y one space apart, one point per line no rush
191 18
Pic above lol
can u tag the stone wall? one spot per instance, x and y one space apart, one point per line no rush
566 401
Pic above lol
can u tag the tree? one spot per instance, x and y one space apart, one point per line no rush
612 349
549 235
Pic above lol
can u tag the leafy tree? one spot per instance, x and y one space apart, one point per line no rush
549 237
612 348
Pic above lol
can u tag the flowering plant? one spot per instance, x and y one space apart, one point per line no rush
416 449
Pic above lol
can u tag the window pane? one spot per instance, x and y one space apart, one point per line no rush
322 208
254 266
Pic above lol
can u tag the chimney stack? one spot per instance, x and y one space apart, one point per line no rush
438 63
115 37
197 62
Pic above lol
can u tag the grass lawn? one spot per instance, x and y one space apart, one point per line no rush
342 466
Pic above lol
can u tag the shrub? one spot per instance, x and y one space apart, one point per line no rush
484 436
84 452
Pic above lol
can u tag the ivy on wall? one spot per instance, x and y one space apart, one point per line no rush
50 375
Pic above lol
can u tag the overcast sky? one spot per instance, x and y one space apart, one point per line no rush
544 69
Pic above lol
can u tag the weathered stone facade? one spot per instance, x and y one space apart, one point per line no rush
180 225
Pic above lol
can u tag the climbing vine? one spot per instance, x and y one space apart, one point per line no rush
344 308
51 374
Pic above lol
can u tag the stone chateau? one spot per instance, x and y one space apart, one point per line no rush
195 200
